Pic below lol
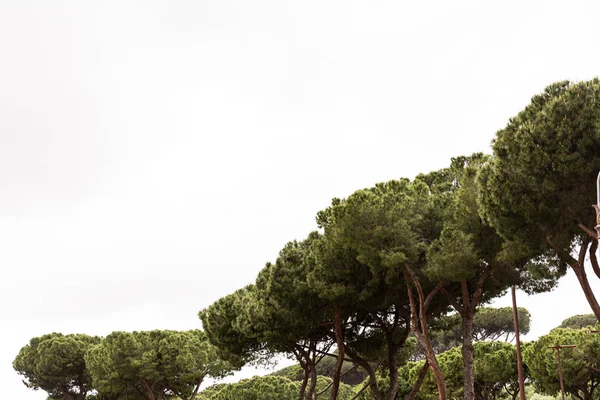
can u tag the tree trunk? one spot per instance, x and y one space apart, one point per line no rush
587 290
306 369
420 379
468 353
392 366
375 392
419 327
340 361
312 388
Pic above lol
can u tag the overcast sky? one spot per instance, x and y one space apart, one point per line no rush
155 154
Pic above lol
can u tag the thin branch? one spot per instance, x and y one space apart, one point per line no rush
452 301
479 290
433 293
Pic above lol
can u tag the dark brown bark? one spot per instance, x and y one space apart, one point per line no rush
196 389
65 392
392 366
340 361
594 258
419 382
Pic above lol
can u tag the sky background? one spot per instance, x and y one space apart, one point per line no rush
155 154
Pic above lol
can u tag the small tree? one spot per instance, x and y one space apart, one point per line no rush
55 363
580 365
154 365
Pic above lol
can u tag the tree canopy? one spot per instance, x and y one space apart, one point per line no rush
55 363
539 188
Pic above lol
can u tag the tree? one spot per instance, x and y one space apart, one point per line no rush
280 313
55 363
471 258
579 321
371 239
153 365
580 365
539 187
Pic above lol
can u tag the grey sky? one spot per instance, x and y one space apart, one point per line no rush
155 154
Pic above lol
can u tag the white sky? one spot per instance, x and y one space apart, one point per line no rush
155 154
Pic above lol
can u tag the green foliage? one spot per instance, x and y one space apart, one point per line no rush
495 373
154 363
256 388
579 321
580 377
351 375
219 323
55 363
489 323
541 182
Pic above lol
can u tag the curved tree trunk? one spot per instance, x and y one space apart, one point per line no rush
375 392
304 382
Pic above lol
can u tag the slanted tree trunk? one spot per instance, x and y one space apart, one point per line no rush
304 382
578 266
375 392
419 382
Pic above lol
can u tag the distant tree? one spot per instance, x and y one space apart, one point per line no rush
489 323
55 363
540 186
154 365
579 321
580 365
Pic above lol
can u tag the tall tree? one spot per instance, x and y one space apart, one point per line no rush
470 258
55 363
539 188
371 240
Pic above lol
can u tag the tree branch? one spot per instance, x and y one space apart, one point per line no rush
588 231
594 258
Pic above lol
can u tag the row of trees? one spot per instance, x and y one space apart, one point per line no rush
392 259
390 262
151 365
